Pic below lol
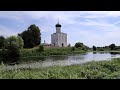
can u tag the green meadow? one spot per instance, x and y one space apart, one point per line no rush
90 70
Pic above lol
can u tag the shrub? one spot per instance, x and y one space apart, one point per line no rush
11 52
14 41
73 48
41 48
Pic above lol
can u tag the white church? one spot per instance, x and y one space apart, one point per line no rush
58 39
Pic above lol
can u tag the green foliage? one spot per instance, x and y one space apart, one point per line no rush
31 36
90 70
11 51
94 48
69 45
108 48
14 41
101 48
41 48
11 54
112 46
47 51
2 39
20 42
73 48
79 44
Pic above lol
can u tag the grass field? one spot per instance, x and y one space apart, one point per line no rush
91 70
50 51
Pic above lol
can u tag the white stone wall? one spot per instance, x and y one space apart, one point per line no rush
59 39
58 29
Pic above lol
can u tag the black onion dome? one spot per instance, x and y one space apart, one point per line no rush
58 25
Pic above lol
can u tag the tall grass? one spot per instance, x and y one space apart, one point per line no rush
90 70
50 51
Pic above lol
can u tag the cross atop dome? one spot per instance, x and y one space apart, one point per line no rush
58 25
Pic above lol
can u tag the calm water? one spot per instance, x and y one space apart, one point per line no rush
65 60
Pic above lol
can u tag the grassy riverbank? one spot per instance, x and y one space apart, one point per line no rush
91 70
48 51
51 51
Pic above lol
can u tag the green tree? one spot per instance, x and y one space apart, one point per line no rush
31 36
81 46
69 45
94 48
11 52
15 41
20 42
112 46
78 44
2 39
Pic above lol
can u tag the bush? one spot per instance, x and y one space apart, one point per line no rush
94 48
41 48
14 41
73 48
11 50
12 54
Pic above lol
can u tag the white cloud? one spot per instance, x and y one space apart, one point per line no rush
73 25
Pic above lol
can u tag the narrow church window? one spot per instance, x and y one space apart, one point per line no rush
62 44
54 44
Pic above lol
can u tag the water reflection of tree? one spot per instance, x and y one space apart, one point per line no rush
102 52
94 52
114 53
33 58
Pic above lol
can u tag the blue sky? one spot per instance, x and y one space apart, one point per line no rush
97 28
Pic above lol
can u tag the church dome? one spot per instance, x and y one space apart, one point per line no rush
58 25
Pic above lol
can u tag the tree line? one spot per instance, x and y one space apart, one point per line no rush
110 47
11 46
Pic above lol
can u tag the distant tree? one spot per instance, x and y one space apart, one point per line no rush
112 46
2 39
31 36
69 45
78 44
117 48
94 48
81 46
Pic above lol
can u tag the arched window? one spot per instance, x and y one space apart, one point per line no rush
62 44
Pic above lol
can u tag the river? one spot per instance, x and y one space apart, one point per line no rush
64 60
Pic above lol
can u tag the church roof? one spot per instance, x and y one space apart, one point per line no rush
58 25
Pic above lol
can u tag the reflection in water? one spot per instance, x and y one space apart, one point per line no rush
114 53
94 52
36 62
